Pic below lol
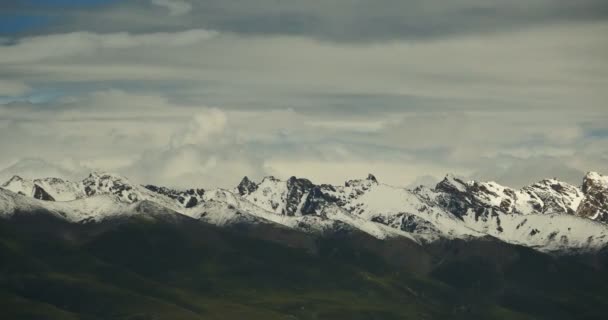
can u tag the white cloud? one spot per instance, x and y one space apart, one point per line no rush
205 125
175 7
356 126
39 48
296 106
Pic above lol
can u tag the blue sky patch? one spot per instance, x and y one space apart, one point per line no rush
13 23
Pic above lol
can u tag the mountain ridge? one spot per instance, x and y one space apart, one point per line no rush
549 215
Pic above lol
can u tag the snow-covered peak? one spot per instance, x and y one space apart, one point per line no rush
27 188
108 183
60 189
548 196
554 196
186 198
274 195
19 185
107 176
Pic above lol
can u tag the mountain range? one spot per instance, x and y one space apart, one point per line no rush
107 248
548 216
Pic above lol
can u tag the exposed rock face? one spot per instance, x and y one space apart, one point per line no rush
487 198
40 194
186 198
318 199
371 179
455 196
103 183
552 196
246 186
595 203
296 189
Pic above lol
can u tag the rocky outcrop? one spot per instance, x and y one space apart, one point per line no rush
246 186
186 198
595 204
41 194
296 190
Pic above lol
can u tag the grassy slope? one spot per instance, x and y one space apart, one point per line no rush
148 270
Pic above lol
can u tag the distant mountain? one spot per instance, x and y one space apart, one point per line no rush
549 216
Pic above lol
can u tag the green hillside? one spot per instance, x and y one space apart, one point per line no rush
148 269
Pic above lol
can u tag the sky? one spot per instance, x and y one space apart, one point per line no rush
200 93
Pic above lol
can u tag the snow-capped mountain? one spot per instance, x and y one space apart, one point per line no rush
549 215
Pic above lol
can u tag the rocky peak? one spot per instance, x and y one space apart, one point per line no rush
452 184
52 180
372 178
270 179
594 181
108 183
554 196
299 183
14 178
27 188
595 203
296 190
19 185
246 186
186 198
365 183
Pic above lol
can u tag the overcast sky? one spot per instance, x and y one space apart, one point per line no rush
201 93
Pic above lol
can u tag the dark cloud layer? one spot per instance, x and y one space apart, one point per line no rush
338 20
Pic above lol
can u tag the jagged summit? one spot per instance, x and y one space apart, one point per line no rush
270 178
595 202
246 186
451 183
370 180
13 179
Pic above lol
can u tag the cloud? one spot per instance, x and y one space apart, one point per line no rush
202 153
175 7
204 126
356 126
311 89
154 140
338 20
13 88
33 168
550 68
39 48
